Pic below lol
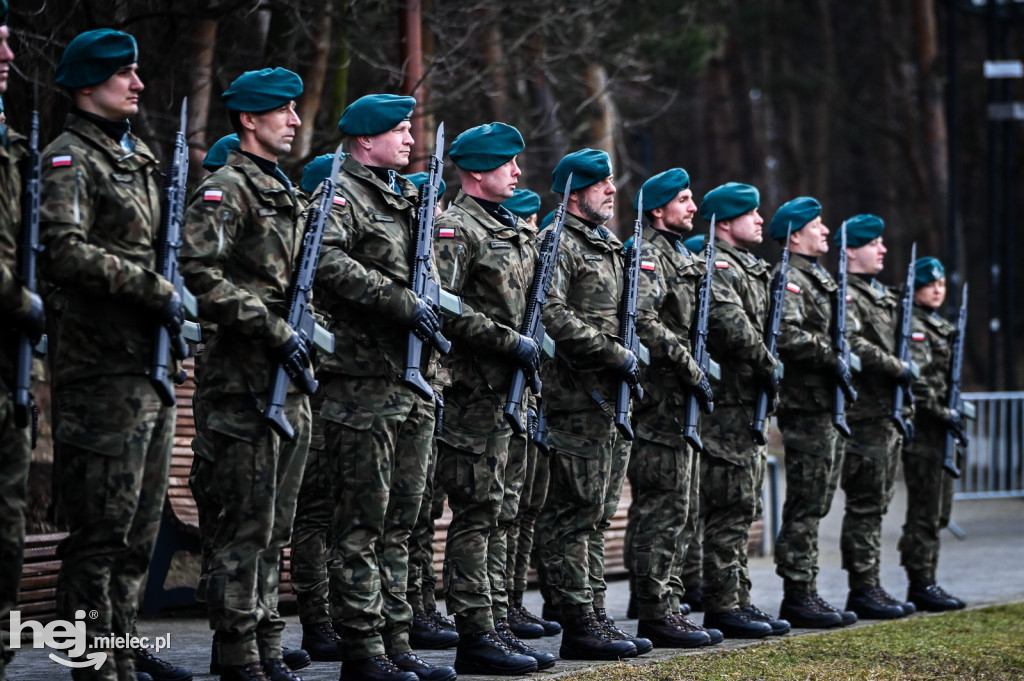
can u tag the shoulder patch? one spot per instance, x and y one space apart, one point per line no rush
213 195
446 233
722 264
61 161
340 201
917 336
647 265
792 288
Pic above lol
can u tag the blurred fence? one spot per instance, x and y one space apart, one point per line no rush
992 465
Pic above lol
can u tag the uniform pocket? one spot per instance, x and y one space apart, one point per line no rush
90 438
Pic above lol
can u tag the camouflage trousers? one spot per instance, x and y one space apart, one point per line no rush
113 441
588 468
929 502
422 575
660 476
814 453
312 550
257 476
690 575
483 476
868 479
521 534
15 457
377 435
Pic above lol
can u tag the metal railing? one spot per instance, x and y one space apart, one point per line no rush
992 465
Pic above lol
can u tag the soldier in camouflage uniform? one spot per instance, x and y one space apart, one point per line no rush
732 465
241 240
588 456
662 467
22 312
377 428
813 448
100 199
929 486
872 450
486 257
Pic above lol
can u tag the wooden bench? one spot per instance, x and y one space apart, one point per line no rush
37 598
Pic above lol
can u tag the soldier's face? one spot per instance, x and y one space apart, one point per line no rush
391 149
677 214
274 130
117 97
6 57
932 295
812 240
498 184
867 259
746 229
596 203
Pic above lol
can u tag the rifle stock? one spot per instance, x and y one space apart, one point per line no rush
28 251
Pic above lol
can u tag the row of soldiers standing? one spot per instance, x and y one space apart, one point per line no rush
364 468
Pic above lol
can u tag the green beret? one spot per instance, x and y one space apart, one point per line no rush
217 156
796 212
523 203
263 90
695 244
547 220
316 171
588 166
3 12
94 56
375 114
729 200
486 147
419 178
927 270
860 229
662 188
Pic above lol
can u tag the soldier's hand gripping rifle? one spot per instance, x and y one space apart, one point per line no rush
423 283
300 315
533 325
28 250
171 333
902 393
766 394
955 431
698 343
629 387
841 345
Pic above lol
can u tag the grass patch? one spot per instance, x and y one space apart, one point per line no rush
987 643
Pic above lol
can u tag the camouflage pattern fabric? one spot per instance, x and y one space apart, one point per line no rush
523 531
241 238
813 448
929 487
14 297
688 574
876 310
489 262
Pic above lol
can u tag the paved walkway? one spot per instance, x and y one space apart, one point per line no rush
984 568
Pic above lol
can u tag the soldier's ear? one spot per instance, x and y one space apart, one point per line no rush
247 120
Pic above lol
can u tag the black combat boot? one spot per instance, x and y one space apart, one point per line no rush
870 603
275 669
504 631
440 620
930 597
142 676
426 633
802 609
714 635
668 633
847 616
551 628
486 653
295 658
321 641
378 668
737 623
641 644
250 672
585 638
779 627
521 625
160 670
411 662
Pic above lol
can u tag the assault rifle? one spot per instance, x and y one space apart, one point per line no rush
28 250
627 323
903 393
844 386
771 341
300 315
949 460
698 343
423 284
172 214
533 325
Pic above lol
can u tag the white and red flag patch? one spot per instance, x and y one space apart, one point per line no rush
918 336
213 195
446 233
721 264
647 265
60 161
792 288
340 201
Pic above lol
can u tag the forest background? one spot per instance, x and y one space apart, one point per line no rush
871 106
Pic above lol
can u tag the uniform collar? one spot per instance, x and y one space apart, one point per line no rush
267 184
596 234
88 130
472 207
401 199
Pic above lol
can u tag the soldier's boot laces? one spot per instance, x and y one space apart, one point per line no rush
872 603
585 638
411 662
377 668
737 623
779 627
931 597
522 626
440 620
159 670
486 653
642 645
803 610
848 617
275 669
714 635
504 631
321 641
667 632
427 633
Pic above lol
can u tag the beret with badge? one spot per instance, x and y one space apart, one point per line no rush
927 270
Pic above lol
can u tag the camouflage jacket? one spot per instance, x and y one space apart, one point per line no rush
805 341
736 322
931 347
241 240
99 220
582 318
363 277
875 308
14 297
668 280
490 266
